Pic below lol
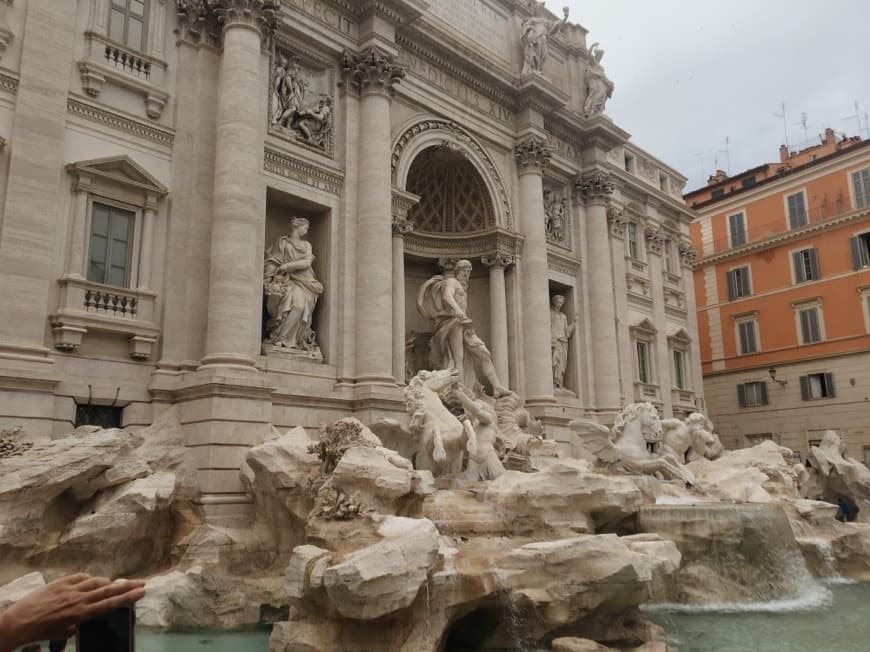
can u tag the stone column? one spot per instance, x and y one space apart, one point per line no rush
146 263
595 189
532 155
78 238
236 264
373 75
498 312
401 227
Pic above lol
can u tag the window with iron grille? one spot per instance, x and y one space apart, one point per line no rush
752 394
104 416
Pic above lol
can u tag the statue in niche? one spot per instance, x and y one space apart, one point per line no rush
311 124
560 332
598 87
454 344
536 32
556 210
291 291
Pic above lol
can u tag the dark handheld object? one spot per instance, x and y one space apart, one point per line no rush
111 632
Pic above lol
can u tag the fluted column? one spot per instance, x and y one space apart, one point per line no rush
498 312
532 155
236 262
373 75
401 227
596 189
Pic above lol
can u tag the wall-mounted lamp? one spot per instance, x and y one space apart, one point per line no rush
772 372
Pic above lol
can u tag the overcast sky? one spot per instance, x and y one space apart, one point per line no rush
690 73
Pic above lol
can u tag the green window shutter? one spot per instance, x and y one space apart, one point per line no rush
741 395
732 285
805 388
829 385
763 393
814 263
855 246
797 261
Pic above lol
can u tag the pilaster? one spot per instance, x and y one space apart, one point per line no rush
401 225
498 315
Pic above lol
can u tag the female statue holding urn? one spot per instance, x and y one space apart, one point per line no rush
291 289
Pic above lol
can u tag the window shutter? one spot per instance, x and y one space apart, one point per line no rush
805 388
806 335
763 393
855 245
861 182
741 395
814 263
798 267
829 385
744 282
732 285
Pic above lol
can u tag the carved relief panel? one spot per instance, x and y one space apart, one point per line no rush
302 99
557 212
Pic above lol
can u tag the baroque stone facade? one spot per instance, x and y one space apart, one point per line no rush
141 187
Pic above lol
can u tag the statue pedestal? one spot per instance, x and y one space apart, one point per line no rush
272 350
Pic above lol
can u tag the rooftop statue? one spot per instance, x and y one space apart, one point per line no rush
454 344
536 32
598 87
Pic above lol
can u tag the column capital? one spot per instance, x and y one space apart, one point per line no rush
688 255
200 20
532 154
655 237
401 226
372 71
594 186
500 259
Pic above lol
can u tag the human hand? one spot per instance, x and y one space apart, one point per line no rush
52 612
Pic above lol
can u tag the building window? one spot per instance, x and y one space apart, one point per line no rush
633 242
738 283
109 253
670 263
644 372
809 322
127 23
797 210
860 245
104 416
864 293
737 229
747 336
861 184
814 443
629 163
815 386
752 394
756 438
748 182
679 369
867 455
718 193
806 265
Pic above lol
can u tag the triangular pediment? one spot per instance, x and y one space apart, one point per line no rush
644 326
120 169
680 335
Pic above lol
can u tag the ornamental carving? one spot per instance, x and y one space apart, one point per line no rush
204 20
300 102
371 71
687 252
499 259
557 216
402 227
596 185
618 220
655 239
533 154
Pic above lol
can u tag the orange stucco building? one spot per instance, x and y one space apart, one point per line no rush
782 284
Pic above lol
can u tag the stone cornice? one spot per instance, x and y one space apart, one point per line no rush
780 238
562 264
396 11
133 127
492 242
532 154
537 93
402 203
290 167
372 71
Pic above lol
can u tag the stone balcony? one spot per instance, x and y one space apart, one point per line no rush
85 306
109 61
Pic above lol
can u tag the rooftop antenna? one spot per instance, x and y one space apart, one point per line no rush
727 154
784 124
857 116
803 123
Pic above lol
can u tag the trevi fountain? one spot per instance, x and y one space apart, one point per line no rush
449 506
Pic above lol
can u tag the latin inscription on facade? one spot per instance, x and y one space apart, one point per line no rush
477 20
325 14
453 87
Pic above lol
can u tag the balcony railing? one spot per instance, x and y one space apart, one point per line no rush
823 212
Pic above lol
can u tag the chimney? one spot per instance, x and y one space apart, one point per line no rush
783 153
716 178
830 137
